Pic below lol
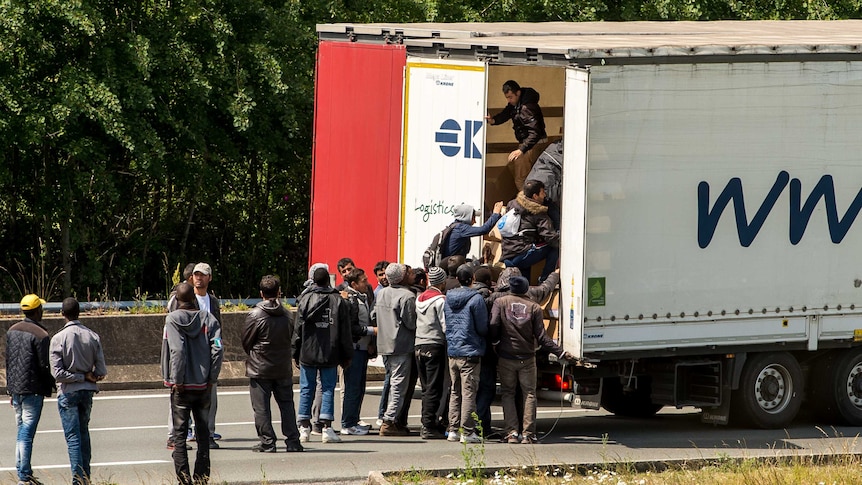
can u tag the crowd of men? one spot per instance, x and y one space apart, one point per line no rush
449 326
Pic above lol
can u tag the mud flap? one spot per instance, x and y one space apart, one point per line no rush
718 414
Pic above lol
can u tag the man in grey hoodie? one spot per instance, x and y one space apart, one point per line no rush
191 361
431 357
267 338
395 313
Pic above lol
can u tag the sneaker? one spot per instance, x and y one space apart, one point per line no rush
379 423
354 430
452 436
471 438
529 439
216 436
430 434
304 434
364 424
389 428
259 448
31 481
191 436
329 435
512 438
213 444
293 446
403 427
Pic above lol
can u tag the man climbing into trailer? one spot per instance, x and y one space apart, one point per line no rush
532 237
528 124
548 169
463 229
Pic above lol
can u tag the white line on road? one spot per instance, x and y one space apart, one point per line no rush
112 463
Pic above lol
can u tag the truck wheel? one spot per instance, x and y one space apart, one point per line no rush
839 393
770 391
632 404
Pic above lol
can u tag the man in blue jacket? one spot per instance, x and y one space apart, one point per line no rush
466 327
458 243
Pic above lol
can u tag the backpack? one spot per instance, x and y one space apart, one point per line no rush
510 224
434 254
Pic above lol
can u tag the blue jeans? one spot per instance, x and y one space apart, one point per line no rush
525 261
308 383
75 410
354 388
28 410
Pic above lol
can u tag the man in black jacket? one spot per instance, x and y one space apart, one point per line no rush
28 379
323 341
267 338
529 126
537 239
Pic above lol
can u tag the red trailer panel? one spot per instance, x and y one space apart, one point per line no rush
356 154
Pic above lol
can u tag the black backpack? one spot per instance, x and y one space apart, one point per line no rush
434 254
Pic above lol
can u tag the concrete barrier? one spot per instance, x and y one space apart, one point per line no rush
132 345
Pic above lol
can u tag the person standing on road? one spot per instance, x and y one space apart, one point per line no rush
267 338
191 361
173 305
77 364
395 313
28 380
431 358
363 331
201 278
517 329
322 342
466 327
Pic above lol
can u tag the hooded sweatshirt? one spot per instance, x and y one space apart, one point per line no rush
192 350
517 327
323 337
466 322
267 337
430 320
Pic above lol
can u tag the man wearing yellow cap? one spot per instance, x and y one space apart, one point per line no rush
28 379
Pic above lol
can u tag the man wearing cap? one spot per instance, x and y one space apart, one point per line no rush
28 379
431 350
395 314
465 216
206 301
77 363
517 329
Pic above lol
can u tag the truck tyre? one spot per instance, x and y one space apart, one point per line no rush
838 388
770 391
632 404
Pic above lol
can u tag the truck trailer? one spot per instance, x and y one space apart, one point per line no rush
712 179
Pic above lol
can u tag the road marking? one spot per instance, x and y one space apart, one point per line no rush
112 463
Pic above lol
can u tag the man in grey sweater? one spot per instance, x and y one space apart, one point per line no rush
77 364
395 313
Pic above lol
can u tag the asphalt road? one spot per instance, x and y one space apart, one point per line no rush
129 430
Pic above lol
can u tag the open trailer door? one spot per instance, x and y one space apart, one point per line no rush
572 230
443 149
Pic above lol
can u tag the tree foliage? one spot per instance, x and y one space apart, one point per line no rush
139 136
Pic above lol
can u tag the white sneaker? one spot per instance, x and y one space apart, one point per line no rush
452 436
470 438
364 424
304 434
379 423
355 430
329 435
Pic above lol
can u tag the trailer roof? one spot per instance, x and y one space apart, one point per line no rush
609 40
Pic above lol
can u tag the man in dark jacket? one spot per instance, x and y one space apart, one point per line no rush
191 360
28 379
267 338
322 342
357 292
463 229
517 329
536 239
529 126
466 319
